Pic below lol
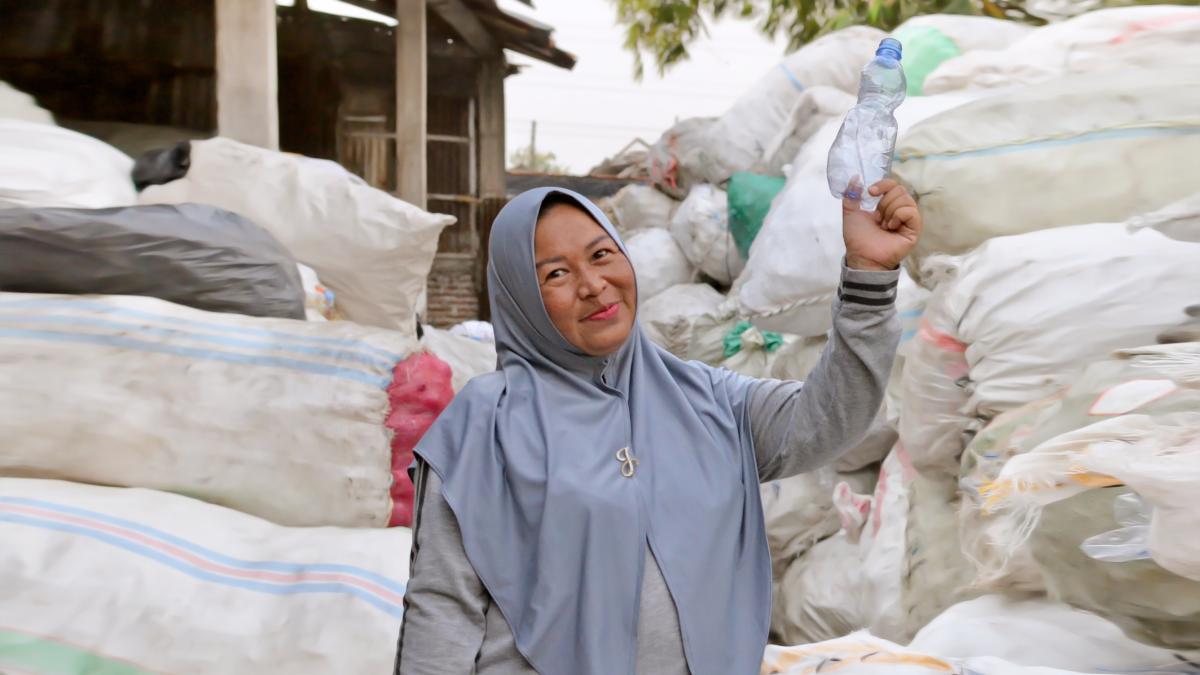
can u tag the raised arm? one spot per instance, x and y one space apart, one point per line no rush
800 426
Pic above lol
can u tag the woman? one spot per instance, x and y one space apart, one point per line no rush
593 505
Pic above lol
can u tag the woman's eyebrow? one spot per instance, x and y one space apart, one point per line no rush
559 258
597 240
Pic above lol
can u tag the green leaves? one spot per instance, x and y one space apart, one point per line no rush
661 30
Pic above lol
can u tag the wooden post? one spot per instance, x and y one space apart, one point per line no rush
491 127
493 180
411 106
247 73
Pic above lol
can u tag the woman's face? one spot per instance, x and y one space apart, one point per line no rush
587 283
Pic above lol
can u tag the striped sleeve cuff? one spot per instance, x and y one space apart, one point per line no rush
866 288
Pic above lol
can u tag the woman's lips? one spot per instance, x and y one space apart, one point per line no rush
605 314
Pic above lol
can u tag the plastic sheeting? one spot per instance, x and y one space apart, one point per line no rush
190 254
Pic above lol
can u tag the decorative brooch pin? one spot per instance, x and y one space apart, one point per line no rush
628 462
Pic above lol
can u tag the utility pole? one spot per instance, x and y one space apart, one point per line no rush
532 145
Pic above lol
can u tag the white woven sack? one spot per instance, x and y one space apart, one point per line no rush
132 581
42 165
1038 633
1104 40
971 33
17 105
1089 137
282 419
991 339
641 207
466 356
796 260
658 262
745 136
701 228
669 318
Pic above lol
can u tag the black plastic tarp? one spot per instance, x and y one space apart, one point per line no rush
189 254
157 167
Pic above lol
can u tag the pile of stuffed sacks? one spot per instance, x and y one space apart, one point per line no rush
212 379
1028 500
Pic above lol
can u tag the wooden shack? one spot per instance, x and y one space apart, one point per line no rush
413 101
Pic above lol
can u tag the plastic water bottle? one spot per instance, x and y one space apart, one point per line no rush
862 153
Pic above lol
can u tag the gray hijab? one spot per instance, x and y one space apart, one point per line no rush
527 456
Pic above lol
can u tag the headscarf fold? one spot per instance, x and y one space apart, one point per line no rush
528 458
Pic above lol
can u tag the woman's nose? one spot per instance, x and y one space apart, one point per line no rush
592 284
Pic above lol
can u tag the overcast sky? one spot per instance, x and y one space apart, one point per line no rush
588 113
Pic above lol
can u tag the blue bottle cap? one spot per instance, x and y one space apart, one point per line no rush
890 48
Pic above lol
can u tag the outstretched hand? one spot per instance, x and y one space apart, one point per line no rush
881 239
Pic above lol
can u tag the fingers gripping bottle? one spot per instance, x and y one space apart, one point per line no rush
862 153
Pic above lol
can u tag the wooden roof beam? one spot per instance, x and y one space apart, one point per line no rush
464 21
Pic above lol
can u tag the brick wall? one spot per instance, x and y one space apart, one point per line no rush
453 293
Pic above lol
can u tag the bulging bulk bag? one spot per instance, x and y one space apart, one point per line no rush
641 207
795 263
936 574
883 549
17 105
992 338
815 597
1105 40
1041 482
679 158
669 318
983 170
296 422
749 136
750 197
798 512
191 254
969 33
45 165
931 39
864 654
1180 220
373 250
133 581
701 228
658 261
467 357
1039 632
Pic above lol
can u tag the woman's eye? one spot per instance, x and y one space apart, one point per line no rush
602 253
555 274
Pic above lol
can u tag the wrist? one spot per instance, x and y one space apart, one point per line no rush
867 265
